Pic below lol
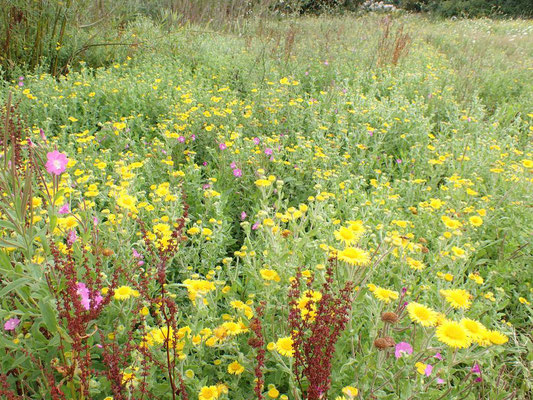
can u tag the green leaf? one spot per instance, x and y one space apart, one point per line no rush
14 286
5 263
53 222
49 315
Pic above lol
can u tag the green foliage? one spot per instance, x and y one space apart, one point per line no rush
336 136
471 8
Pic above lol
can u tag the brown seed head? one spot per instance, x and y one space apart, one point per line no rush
389 317
384 342
107 252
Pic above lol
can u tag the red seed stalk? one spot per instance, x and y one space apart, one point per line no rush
314 338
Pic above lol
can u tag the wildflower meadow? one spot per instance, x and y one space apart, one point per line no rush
304 208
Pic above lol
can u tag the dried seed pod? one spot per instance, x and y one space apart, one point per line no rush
107 252
389 317
384 342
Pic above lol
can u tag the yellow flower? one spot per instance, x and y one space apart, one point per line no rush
436 203
384 295
524 301
273 393
421 314
128 202
263 182
346 235
453 334
284 346
198 287
476 221
415 264
496 337
476 278
421 368
451 223
233 328
235 368
123 293
458 298
208 393
350 391
309 310
475 329
357 227
354 256
269 275
193 230
458 251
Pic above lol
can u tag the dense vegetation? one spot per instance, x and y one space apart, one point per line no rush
305 208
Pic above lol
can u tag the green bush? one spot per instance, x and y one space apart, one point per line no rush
471 8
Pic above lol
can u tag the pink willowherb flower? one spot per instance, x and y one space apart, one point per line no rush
402 348
11 324
237 172
65 209
56 162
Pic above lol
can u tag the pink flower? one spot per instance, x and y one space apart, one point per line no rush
11 324
440 381
233 165
72 237
56 162
257 140
428 370
64 209
268 151
84 293
476 369
237 172
243 215
438 356
222 146
181 139
402 348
